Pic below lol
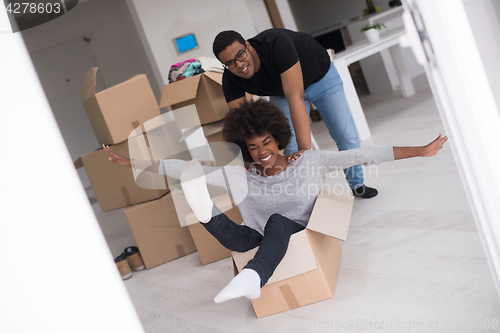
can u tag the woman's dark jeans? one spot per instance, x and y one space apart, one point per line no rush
240 238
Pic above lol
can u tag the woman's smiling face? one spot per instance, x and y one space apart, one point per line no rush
263 149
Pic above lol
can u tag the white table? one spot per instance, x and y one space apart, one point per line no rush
388 40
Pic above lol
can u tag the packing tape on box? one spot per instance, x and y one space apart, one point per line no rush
135 124
146 139
126 196
180 250
290 299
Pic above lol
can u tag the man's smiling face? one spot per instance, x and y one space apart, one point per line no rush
241 57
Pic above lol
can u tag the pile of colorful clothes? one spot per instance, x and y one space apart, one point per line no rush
187 68
184 69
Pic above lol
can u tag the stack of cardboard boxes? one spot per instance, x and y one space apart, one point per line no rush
114 114
122 116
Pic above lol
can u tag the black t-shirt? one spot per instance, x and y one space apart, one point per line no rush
278 50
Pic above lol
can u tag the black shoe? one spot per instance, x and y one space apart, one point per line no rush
365 192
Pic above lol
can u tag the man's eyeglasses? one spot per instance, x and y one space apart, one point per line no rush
242 55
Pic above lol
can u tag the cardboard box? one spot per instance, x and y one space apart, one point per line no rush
208 246
116 111
157 231
213 132
115 186
308 272
203 90
162 140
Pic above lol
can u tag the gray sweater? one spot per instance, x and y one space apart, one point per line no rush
291 193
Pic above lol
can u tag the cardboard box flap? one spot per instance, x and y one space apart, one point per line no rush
217 77
180 91
299 259
88 84
126 82
78 163
213 128
332 214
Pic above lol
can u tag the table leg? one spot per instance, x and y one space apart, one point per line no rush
402 71
390 69
353 101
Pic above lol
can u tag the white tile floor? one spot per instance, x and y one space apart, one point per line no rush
412 262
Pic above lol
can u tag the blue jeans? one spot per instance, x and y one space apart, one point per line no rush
240 238
328 96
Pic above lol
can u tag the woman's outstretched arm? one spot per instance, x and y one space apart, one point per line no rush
113 157
428 150
379 154
170 167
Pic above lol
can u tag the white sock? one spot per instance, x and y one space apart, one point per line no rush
247 284
195 189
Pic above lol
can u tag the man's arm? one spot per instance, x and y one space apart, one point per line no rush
293 87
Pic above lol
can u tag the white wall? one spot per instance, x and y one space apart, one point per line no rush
315 15
163 20
484 19
115 47
287 16
259 14
61 276
114 40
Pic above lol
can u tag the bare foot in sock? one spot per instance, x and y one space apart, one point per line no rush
246 284
195 189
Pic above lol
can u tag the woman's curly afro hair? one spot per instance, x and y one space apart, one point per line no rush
255 118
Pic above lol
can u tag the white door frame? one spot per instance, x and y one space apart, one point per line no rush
446 47
59 275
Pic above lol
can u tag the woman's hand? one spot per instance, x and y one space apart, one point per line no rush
429 150
294 156
432 148
117 159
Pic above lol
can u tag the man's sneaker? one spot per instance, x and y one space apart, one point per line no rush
134 258
123 267
365 192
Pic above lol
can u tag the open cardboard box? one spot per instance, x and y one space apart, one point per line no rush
157 232
116 111
204 90
308 272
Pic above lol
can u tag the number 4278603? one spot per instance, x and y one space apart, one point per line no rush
34 8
